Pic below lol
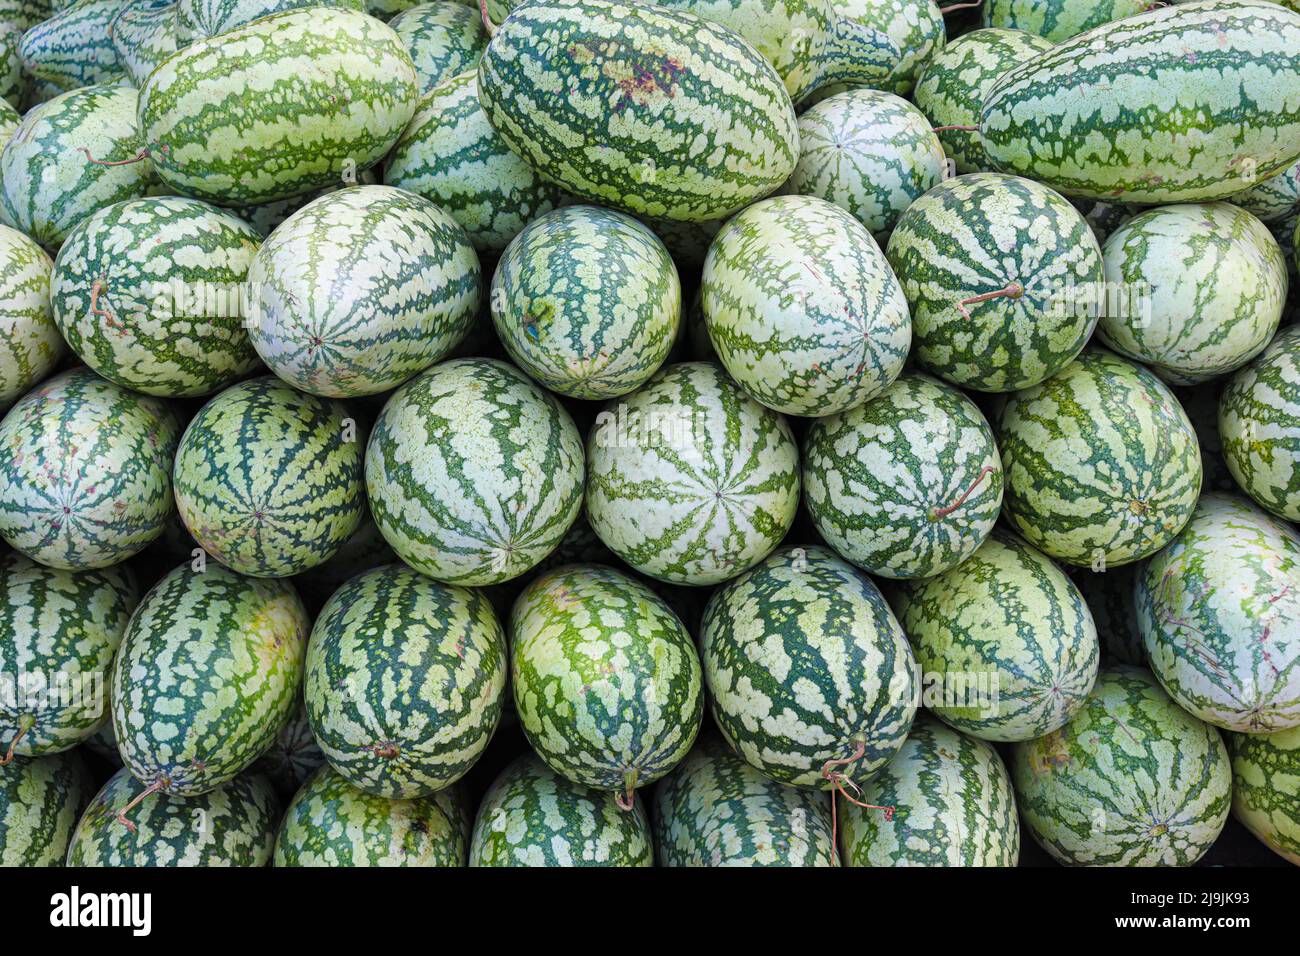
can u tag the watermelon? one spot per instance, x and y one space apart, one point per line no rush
66 161
690 480
41 800
444 39
208 673
587 302
998 272
405 681
199 19
1057 20
473 473
1102 466
231 825
143 35
807 668
1131 780
1110 600
85 472
907 485
360 289
1273 199
532 816
1266 788
21 14
14 81
265 217
951 89
30 344
277 107
451 155
293 758
58 632
953 806
73 48
1259 420
1006 642
653 111
1219 613
1201 289
717 810
883 44
1166 106
331 823
10 119
869 152
606 680
149 293
802 308
269 480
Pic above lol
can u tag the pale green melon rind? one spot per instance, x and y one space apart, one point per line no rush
1266 788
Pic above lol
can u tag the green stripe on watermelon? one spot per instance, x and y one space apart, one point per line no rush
74 47
41 800
1266 788
30 343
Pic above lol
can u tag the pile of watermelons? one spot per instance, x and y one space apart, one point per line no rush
418 416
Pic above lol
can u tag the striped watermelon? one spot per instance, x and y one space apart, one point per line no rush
265 217
1259 420
41 800
58 632
331 823
21 14
14 81
360 289
1266 788
997 272
954 83
269 480
30 344
405 681
1102 466
691 481
717 810
143 35
277 107
208 673
802 308
807 667
1110 600
451 155
10 119
587 301
869 152
293 758
907 485
149 293
444 39
653 111
199 19
606 681
231 825
473 473
1273 199
1131 780
60 165
85 472
1202 289
1057 20
532 816
1175 105
73 48
953 806
1219 612
883 44
1007 638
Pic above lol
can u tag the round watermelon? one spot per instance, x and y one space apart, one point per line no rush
41 799
1131 780
953 806
85 472
360 289
269 480
1266 788
1006 642
1102 466
606 679
907 485
802 307
444 39
717 810
532 816
405 680
807 669
587 302
231 825
1219 613
473 473
331 823
30 343
690 480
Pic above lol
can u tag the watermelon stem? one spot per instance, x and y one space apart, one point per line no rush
1012 290
838 783
138 157
952 7
949 509
488 25
959 126
627 799
24 725
148 791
